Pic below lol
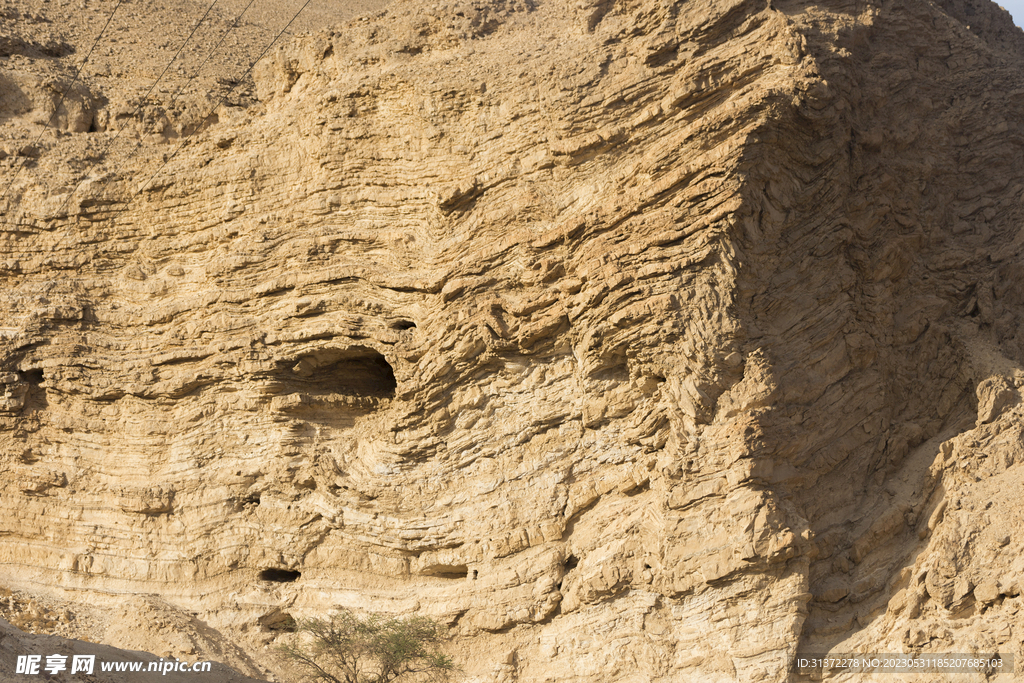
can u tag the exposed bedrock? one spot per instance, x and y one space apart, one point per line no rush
637 341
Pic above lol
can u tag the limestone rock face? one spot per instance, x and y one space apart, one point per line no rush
636 341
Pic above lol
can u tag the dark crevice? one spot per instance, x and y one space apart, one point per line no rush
662 57
446 571
571 562
279 575
278 620
638 489
355 371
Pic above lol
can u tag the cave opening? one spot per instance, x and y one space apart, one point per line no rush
354 371
447 571
276 575
571 562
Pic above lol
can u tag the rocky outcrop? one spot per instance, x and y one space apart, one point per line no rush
633 340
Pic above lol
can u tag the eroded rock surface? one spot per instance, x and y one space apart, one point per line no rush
637 341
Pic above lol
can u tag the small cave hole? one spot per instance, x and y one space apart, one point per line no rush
403 325
279 575
447 571
252 499
570 563
355 371
278 620
33 392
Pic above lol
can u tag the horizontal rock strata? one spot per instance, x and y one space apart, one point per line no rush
633 340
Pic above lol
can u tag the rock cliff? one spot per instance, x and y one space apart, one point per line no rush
636 340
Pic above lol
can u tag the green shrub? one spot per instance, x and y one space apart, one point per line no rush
347 648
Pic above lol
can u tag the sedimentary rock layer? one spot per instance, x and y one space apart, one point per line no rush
634 340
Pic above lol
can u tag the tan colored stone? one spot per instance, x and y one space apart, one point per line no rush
621 337
987 591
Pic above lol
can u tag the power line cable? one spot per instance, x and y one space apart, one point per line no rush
211 112
213 109
216 47
64 96
174 98
142 101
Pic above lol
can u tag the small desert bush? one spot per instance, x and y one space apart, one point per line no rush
376 648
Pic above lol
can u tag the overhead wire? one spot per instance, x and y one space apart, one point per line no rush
222 100
181 88
142 102
181 145
238 81
64 96
212 111
174 99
